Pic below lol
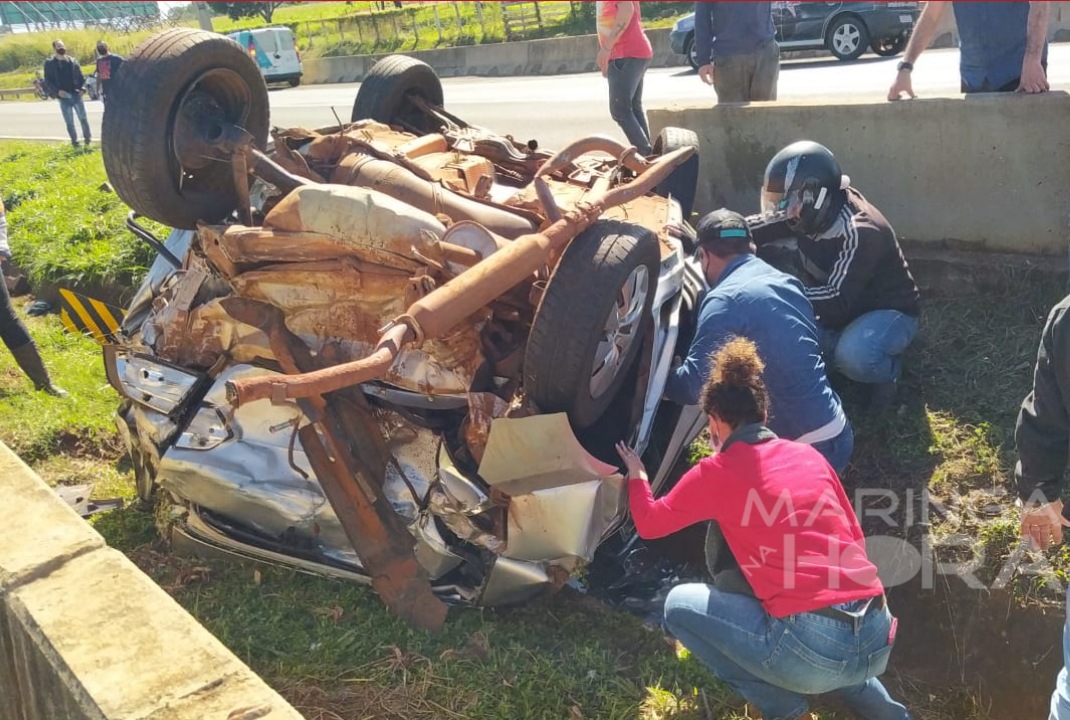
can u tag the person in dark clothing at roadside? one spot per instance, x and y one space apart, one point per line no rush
1042 436
1003 46
107 65
861 288
736 49
749 297
64 77
14 333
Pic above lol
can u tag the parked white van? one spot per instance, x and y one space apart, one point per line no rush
275 52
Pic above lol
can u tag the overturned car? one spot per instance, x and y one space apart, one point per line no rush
397 350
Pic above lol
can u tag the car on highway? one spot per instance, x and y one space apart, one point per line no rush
397 350
845 29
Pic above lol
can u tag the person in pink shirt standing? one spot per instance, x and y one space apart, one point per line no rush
623 56
815 619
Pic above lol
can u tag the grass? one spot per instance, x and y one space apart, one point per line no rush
66 226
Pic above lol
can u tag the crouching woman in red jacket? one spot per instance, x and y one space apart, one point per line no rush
818 621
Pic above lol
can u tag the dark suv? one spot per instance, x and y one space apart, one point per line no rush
845 29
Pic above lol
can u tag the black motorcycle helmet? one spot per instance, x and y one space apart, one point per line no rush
804 183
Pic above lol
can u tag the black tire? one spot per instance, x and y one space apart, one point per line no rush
294 82
384 94
847 26
138 140
689 51
889 46
683 183
570 324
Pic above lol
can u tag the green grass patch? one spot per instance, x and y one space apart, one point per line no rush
43 429
66 226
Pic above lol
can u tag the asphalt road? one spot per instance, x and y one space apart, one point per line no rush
556 109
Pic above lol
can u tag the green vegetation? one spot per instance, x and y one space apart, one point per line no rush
332 649
67 226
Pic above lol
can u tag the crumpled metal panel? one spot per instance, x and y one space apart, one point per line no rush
562 499
512 581
249 477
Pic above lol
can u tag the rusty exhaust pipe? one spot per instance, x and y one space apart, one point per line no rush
439 311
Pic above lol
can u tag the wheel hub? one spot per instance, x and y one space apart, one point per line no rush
620 330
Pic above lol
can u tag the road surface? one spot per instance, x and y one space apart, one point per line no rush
556 109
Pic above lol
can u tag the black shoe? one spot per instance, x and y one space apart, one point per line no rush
882 396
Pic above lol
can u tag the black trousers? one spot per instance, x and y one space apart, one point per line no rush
12 330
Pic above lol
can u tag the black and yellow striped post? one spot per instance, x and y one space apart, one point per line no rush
83 314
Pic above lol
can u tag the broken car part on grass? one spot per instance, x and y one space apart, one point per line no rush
395 349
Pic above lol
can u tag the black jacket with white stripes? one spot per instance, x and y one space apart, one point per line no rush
857 266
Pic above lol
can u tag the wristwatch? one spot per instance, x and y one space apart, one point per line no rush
908 66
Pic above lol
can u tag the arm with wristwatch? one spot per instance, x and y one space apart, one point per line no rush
923 33
1033 77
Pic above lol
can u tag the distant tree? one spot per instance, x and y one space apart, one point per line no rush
236 10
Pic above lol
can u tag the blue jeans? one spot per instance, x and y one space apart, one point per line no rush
69 106
1060 699
837 451
774 662
868 349
625 77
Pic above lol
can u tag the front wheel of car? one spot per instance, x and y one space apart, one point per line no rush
692 52
588 329
683 183
890 45
847 38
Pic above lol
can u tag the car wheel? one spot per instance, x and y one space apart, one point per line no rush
180 73
691 51
294 82
847 38
683 183
588 328
386 93
890 45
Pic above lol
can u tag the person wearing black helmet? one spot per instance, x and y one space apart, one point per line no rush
748 297
863 294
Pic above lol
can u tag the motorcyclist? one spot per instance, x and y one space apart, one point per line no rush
864 297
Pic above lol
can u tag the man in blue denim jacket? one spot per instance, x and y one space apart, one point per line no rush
749 298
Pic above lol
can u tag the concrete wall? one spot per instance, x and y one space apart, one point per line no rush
84 635
530 57
991 171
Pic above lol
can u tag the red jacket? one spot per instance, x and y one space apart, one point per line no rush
783 513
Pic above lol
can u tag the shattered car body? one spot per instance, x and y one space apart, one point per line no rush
453 326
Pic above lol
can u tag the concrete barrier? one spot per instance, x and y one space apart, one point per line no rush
991 171
84 635
554 56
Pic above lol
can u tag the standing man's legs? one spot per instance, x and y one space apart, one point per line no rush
625 76
766 72
67 109
79 107
732 78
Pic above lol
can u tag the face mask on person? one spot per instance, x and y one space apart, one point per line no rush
61 51
102 51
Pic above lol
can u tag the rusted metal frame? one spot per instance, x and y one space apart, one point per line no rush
385 547
449 304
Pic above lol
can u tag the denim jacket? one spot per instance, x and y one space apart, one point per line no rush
754 300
